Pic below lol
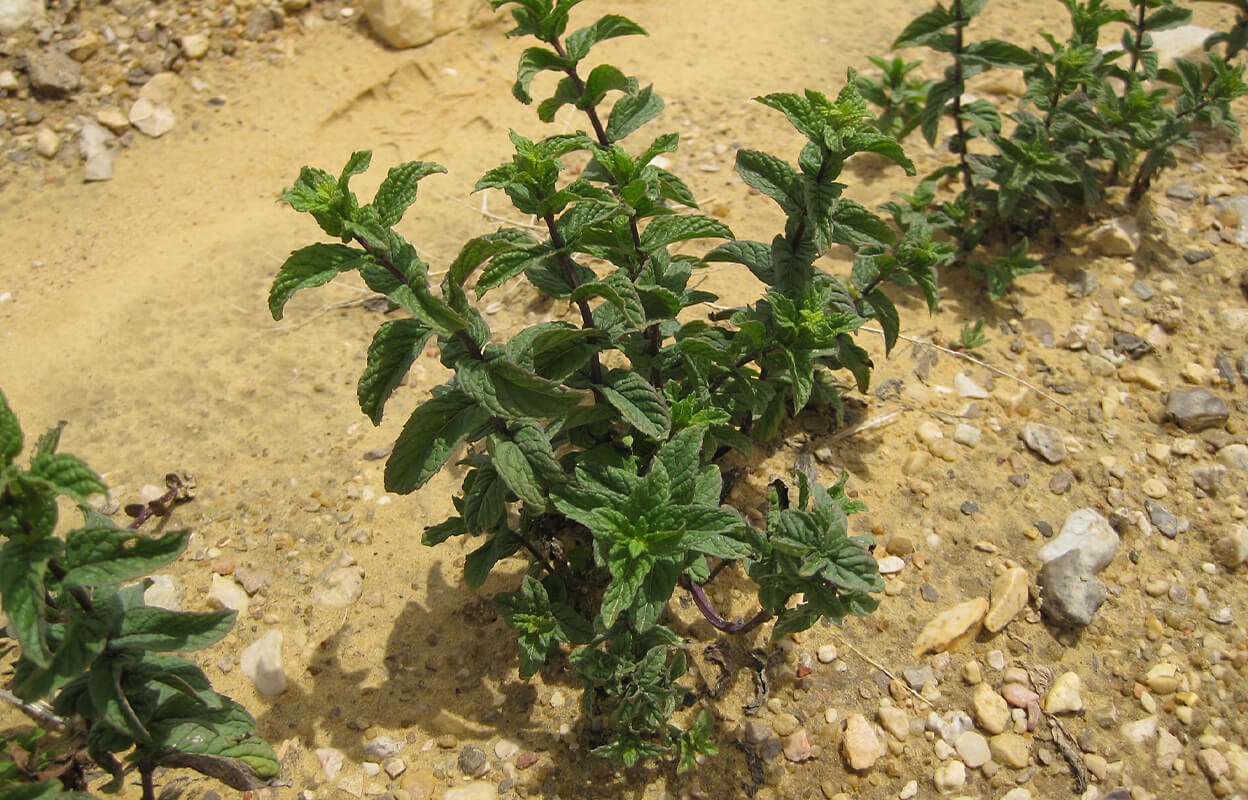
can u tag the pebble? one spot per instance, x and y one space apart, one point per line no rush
1007 597
1010 750
1231 548
918 677
1133 373
950 776
785 724
47 142
383 747
951 627
1210 477
1234 456
150 118
194 45
1154 488
860 745
473 791
1085 530
472 761
1118 237
967 387
950 726
973 749
1166 523
506 749
52 73
1045 441
1213 763
944 449
331 761
968 435
1139 731
226 593
262 664
1195 410
164 591
826 653
342 582
1065 695
895 721
797 746
891 564
94 146
991 711
1070 595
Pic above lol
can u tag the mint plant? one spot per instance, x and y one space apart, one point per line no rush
596 444
1086 121
86 640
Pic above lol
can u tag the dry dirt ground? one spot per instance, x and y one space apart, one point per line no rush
135 309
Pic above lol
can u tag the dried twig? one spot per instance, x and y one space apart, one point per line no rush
866 425
39 711
985 365
1061 737
890 675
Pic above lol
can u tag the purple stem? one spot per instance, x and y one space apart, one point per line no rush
712 616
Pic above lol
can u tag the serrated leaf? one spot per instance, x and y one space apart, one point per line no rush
150 628
516 471
437 534
398 191
681 457
608 27
854 225
996 53
772 176
98 556
532 61
218 742
22 570
357 163
10 432
632 111
669 229
889 319
924 27
314 265
754 255
508 390
395 346
617 290
558 353
506 266
638 402
68 474
801 114
1167 17
434 429
802 374
479 562
602 79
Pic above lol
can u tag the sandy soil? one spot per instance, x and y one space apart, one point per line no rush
137 313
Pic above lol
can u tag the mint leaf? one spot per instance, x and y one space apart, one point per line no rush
681 457
632 111
98 556
434 429
924 27
395 346
638 402
666 230
398 191
148 628
773 177
608 27
516 471
314 265
754 255
357 163
218 742
532 61
67 474
10 432
508 390
22 569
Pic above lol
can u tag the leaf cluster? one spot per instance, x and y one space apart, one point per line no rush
1090 117
89 643
595 442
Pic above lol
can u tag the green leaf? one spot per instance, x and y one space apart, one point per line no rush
398 191
857 227
558 353
533 61
149 628
886 313
516 471
507 390
80 642
617 290
681 456
602 79
506 266
10 432
1167 17
314 265
357 163
68 474
632 111
665 230
996 53
22 569
43 790
437 534
802 373
802 115
434 429
98 556
610 26
395 346
480 249
773 177
754 255
924 27
638 402
218 742
479 562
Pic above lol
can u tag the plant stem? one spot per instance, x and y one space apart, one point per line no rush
569 269
541 559
38 711
1141 7
146 768
960 137
712 616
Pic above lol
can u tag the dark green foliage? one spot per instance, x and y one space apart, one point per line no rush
1089 118
595 448
93 648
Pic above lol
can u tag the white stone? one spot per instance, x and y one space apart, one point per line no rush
195 45
967 387
972 747
950 776
17 14
1141 730
262 663
150 118
1088 531
991 711
226 593
891 564
473 791
8 81
342 581
161 88
1118 237
860 746
408 23
966 434
1064 695
94 145
331 761
163 592
47 142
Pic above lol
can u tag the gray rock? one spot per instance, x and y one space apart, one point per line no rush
1082 284
1234 456
1241 366
473 762
918 677
262 20
1141 290
17 14
1210 478
1044 441
1166 523
1194 410
952 725
1087 531
1070 594
1182 191
1040 329
383 747
1197 256
52 73
1226 370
